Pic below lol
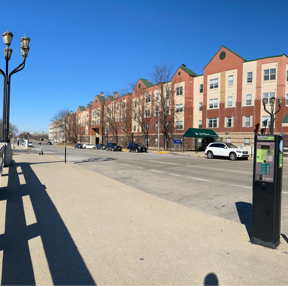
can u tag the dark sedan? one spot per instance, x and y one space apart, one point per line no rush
49 142
78 145
113 147
137 147
100 146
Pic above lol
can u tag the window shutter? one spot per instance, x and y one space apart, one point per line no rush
243 121
217 122
232 122
225 122
207 121
251 121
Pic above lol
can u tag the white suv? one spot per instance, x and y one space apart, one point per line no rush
226 150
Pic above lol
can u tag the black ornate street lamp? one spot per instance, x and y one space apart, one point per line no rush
272 102
7 38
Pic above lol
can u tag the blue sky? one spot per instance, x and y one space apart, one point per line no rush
79 48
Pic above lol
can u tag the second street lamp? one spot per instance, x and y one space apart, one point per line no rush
7 39
272 113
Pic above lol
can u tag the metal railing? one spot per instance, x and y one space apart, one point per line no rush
2 154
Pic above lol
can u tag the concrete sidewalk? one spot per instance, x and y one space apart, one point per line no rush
66 225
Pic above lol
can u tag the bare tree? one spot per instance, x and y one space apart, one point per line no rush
141 108
163 99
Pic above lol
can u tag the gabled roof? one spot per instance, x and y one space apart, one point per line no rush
188 71
89 105
244 60
81 108
111 98
147 83
101 99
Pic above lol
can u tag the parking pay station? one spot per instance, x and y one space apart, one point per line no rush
267 189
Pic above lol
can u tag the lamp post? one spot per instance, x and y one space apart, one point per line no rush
24 48
272 102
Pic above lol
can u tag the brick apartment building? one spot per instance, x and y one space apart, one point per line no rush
226 98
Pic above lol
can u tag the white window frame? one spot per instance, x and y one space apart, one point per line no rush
230 80
213 103
201 88
147 113
249 77
213 122
247 100
200 106
157 97
286 100
269 74
200 124
179 91
230 101
268 96
246 141
179 108
264 118
147 99
214 83
247 121
179 125
229 122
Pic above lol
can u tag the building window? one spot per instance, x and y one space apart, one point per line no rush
157 97
201 88
107 130
248 100
246 141
266 122
213 103
230 80
228 140
167 110
156 126
167 94
230 101
200 106
123 117
179 91
200 124
157 113
213 83
107 109
147 99
147 113
249 77
147 141
269 74
287 76
93 114
134 128
146 127
135 116
247 121
123 105
98 112
179 125
97 122
286 99
179 108
268 96
117 107
229 122
212 123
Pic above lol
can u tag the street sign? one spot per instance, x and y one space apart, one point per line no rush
177 141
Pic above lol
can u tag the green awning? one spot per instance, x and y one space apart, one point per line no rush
285 120
199 133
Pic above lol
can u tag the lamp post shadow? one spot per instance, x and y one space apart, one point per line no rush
65 263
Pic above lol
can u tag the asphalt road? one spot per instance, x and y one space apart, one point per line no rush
220 187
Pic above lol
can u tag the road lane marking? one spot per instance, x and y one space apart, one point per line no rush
155 170
196 178
174 174
164 162
249 187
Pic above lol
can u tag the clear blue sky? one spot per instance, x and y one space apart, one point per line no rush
79 48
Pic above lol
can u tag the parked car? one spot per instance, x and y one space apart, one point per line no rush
113 147
49 142
136 147
89 146
78 145
30 144
225 150
100 146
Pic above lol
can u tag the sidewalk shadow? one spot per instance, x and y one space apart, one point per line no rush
244 210
64 260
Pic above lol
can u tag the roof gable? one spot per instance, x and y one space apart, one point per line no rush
81 108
